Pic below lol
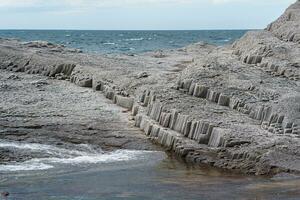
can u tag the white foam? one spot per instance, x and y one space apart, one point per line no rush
120 155
134 39
26 166
109 43
42 148
60 156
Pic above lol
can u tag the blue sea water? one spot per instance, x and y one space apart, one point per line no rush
125 41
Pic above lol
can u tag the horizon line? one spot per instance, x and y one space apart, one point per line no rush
54 29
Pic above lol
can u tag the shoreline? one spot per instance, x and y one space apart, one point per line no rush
35 109
232 107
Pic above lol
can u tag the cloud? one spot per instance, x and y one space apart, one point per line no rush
226 1
84 5
119 3
18 3
139 14
79 6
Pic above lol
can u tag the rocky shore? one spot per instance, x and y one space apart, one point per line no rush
37 109
234 107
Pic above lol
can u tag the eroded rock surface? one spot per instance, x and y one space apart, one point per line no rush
234 107
37 109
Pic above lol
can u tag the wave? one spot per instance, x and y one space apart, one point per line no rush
109 43
223 39
26 166
135 39
226 40
49 163
61 156
49 149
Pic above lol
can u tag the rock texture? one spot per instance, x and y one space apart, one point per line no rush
37 109
234 107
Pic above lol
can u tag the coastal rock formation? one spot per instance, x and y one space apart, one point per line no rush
42 110
287 26
234 107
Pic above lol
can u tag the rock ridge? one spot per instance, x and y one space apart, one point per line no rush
234 107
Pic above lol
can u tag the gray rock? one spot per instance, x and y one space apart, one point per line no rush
245 116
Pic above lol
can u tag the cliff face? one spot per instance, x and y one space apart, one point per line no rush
234 107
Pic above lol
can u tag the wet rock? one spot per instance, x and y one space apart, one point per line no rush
5 194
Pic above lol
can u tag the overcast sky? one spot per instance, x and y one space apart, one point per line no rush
139 14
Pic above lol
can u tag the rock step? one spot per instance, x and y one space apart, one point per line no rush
252 59
263 114
170 139
248 59
289 71
282 71
199 131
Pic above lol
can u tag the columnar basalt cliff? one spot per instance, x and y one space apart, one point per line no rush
233 107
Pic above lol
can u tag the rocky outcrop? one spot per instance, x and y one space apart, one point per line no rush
234 107
50 46
286 27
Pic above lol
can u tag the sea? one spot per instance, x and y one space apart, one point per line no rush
127 175
107 42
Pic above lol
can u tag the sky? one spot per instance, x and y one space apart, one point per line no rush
140 14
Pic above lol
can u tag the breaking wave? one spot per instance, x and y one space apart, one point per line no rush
60 156
134 39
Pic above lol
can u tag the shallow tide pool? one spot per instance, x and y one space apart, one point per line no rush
138 175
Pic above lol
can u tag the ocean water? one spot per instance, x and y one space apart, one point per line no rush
125 41
88 174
